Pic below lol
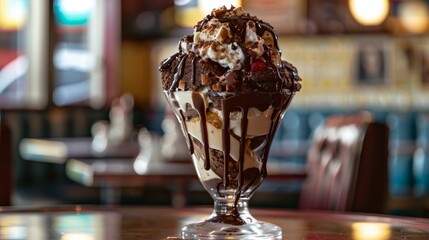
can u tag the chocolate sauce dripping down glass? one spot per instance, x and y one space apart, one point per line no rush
242 102
245 102
275 118
226 147
244 122
189 138
200 107
182 119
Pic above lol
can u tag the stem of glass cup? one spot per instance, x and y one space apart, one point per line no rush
227 210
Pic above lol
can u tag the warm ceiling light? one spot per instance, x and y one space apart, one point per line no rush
369 12
414 16
13 14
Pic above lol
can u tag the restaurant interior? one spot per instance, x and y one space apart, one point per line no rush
84 119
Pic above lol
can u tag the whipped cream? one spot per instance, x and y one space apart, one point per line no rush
213 42
210 43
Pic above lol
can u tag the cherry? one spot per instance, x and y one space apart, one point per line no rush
258 65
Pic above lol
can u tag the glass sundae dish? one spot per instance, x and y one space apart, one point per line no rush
229 89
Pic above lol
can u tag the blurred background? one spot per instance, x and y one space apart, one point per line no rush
64 63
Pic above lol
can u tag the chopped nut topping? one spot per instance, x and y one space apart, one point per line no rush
205 80
217 87
268 38
182 85
239 11
222 35
219 11
230 81
196 36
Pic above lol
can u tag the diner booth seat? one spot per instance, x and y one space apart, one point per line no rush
347 166
6 182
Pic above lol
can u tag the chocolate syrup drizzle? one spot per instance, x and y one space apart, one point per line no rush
238 25
232 102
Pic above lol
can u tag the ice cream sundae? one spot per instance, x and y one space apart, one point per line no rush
229 89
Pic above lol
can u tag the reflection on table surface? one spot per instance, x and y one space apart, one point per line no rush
63 225
129 223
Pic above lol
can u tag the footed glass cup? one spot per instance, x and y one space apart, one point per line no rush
229 136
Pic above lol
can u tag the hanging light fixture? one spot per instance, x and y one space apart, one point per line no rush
369 12
414 16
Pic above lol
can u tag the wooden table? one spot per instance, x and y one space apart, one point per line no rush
132 223
112 174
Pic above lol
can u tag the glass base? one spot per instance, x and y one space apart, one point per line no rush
231 221
212 230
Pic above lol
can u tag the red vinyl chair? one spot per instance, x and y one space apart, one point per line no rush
347 166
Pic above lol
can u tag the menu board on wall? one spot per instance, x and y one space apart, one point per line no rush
347 72
420 65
